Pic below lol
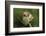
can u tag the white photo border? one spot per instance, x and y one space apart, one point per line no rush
27 28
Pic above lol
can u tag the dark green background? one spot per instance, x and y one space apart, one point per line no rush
18 13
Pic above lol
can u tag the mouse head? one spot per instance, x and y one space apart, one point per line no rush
26 14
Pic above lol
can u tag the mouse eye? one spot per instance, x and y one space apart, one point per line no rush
24 15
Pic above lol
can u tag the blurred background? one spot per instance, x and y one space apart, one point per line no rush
18 17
